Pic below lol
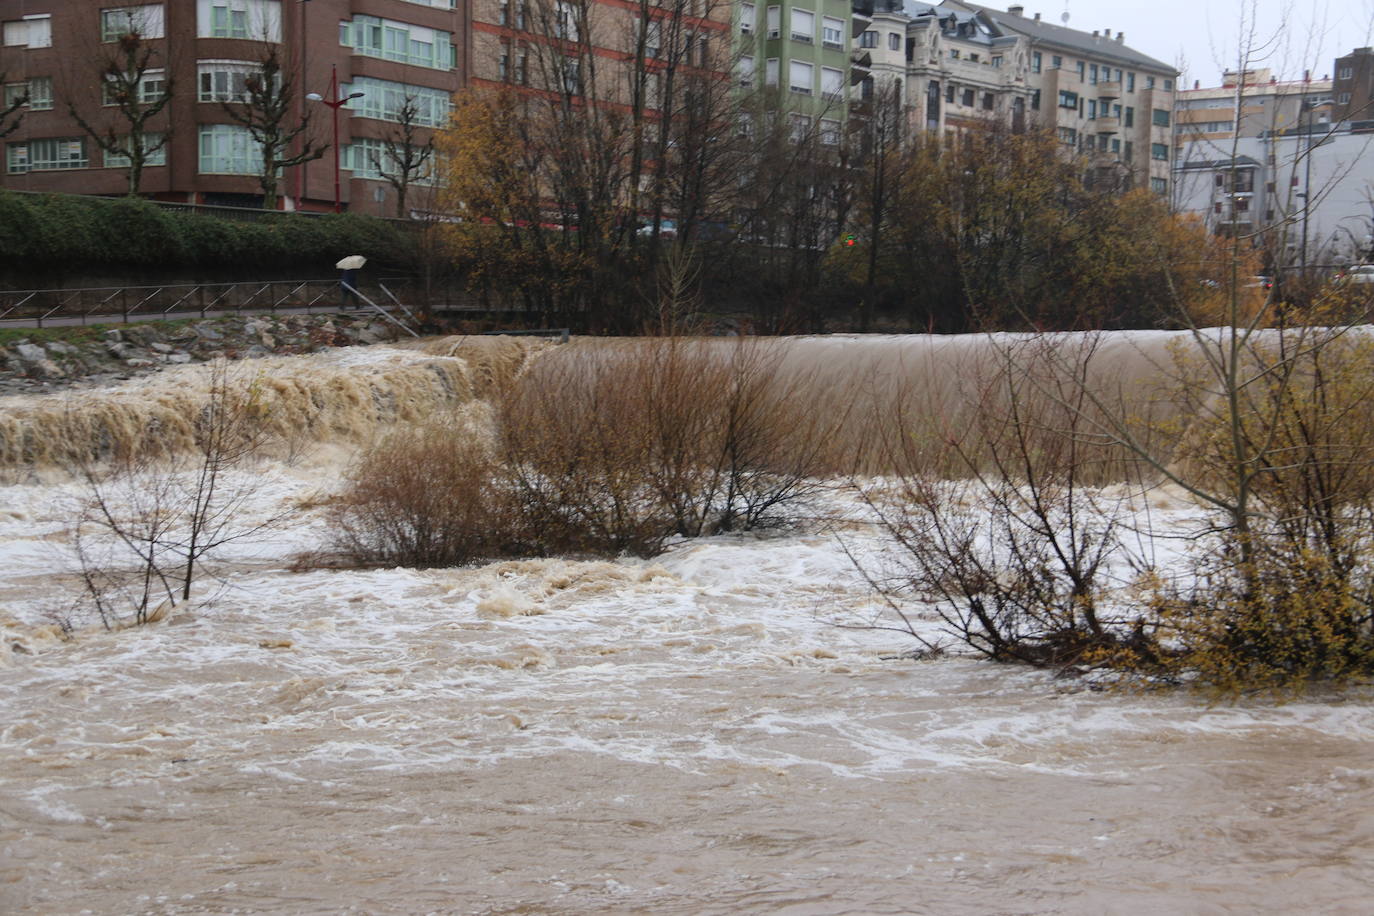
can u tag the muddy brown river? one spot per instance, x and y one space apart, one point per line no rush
689 734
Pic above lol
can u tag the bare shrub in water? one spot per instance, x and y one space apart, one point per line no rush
1011 550
425 496
619 449
148 525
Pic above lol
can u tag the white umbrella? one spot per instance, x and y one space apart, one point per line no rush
352 262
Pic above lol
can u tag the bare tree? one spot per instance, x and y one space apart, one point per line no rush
149 522
407 153
135 83
266 111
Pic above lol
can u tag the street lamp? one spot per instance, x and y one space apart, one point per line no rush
335 103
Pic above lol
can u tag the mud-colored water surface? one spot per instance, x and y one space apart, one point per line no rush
689 734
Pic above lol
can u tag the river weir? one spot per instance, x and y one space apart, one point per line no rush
697 732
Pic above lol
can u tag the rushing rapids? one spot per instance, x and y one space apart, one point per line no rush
688 734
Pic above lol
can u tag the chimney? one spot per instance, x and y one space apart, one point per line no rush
1307 76
1037 17
1120 37
1094 33
1197 84
1016 10
1106 33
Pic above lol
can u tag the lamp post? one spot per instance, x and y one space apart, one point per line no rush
335 103
302 182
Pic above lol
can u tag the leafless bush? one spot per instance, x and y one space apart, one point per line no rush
149 523
1014 549
424 496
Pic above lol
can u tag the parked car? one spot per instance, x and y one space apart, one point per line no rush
1356 273
1259 283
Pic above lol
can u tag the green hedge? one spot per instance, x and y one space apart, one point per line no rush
48 230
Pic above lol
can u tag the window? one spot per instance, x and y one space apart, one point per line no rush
746 70
1345 73
1149 82
228 149
973 56
1130 117
383 99
1068 99
967 98
1035 100
522 68
1116 146
1159 185
29 32
38 89
1081 68
1056 62
1035 62
157 156
564 21
571 80
774 22
894 41
949 92
1130 82
869 39
799 76
803 26
997 62
399 41
770 71
1068 135
224 80
832 83
653 39
259 20
830 132
502 18
988 101
832 33
1092 74
1159 151
748 16
1092 109
801 126
1090 141
437 4
954 54
1160 118
47 155
146 21
1126 154
1168 85
1343 98
150 88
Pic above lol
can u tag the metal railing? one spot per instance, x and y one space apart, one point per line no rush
96 305
398 299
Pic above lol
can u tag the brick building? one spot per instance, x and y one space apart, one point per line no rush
391 51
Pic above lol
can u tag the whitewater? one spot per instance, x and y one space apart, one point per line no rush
699 732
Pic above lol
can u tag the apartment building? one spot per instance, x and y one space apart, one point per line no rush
801 51
1248 104
602 51
392 54
1353 86
1307 189
960 65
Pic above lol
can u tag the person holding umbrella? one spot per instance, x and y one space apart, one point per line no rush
348 283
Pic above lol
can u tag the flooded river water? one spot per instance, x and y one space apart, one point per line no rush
688 734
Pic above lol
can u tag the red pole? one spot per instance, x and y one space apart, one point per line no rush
334 103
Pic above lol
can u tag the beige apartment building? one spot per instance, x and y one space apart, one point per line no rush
959 65
1249 104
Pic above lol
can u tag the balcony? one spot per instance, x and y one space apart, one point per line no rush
1106 124
1109 89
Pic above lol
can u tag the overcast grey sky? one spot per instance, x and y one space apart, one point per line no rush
1202 36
